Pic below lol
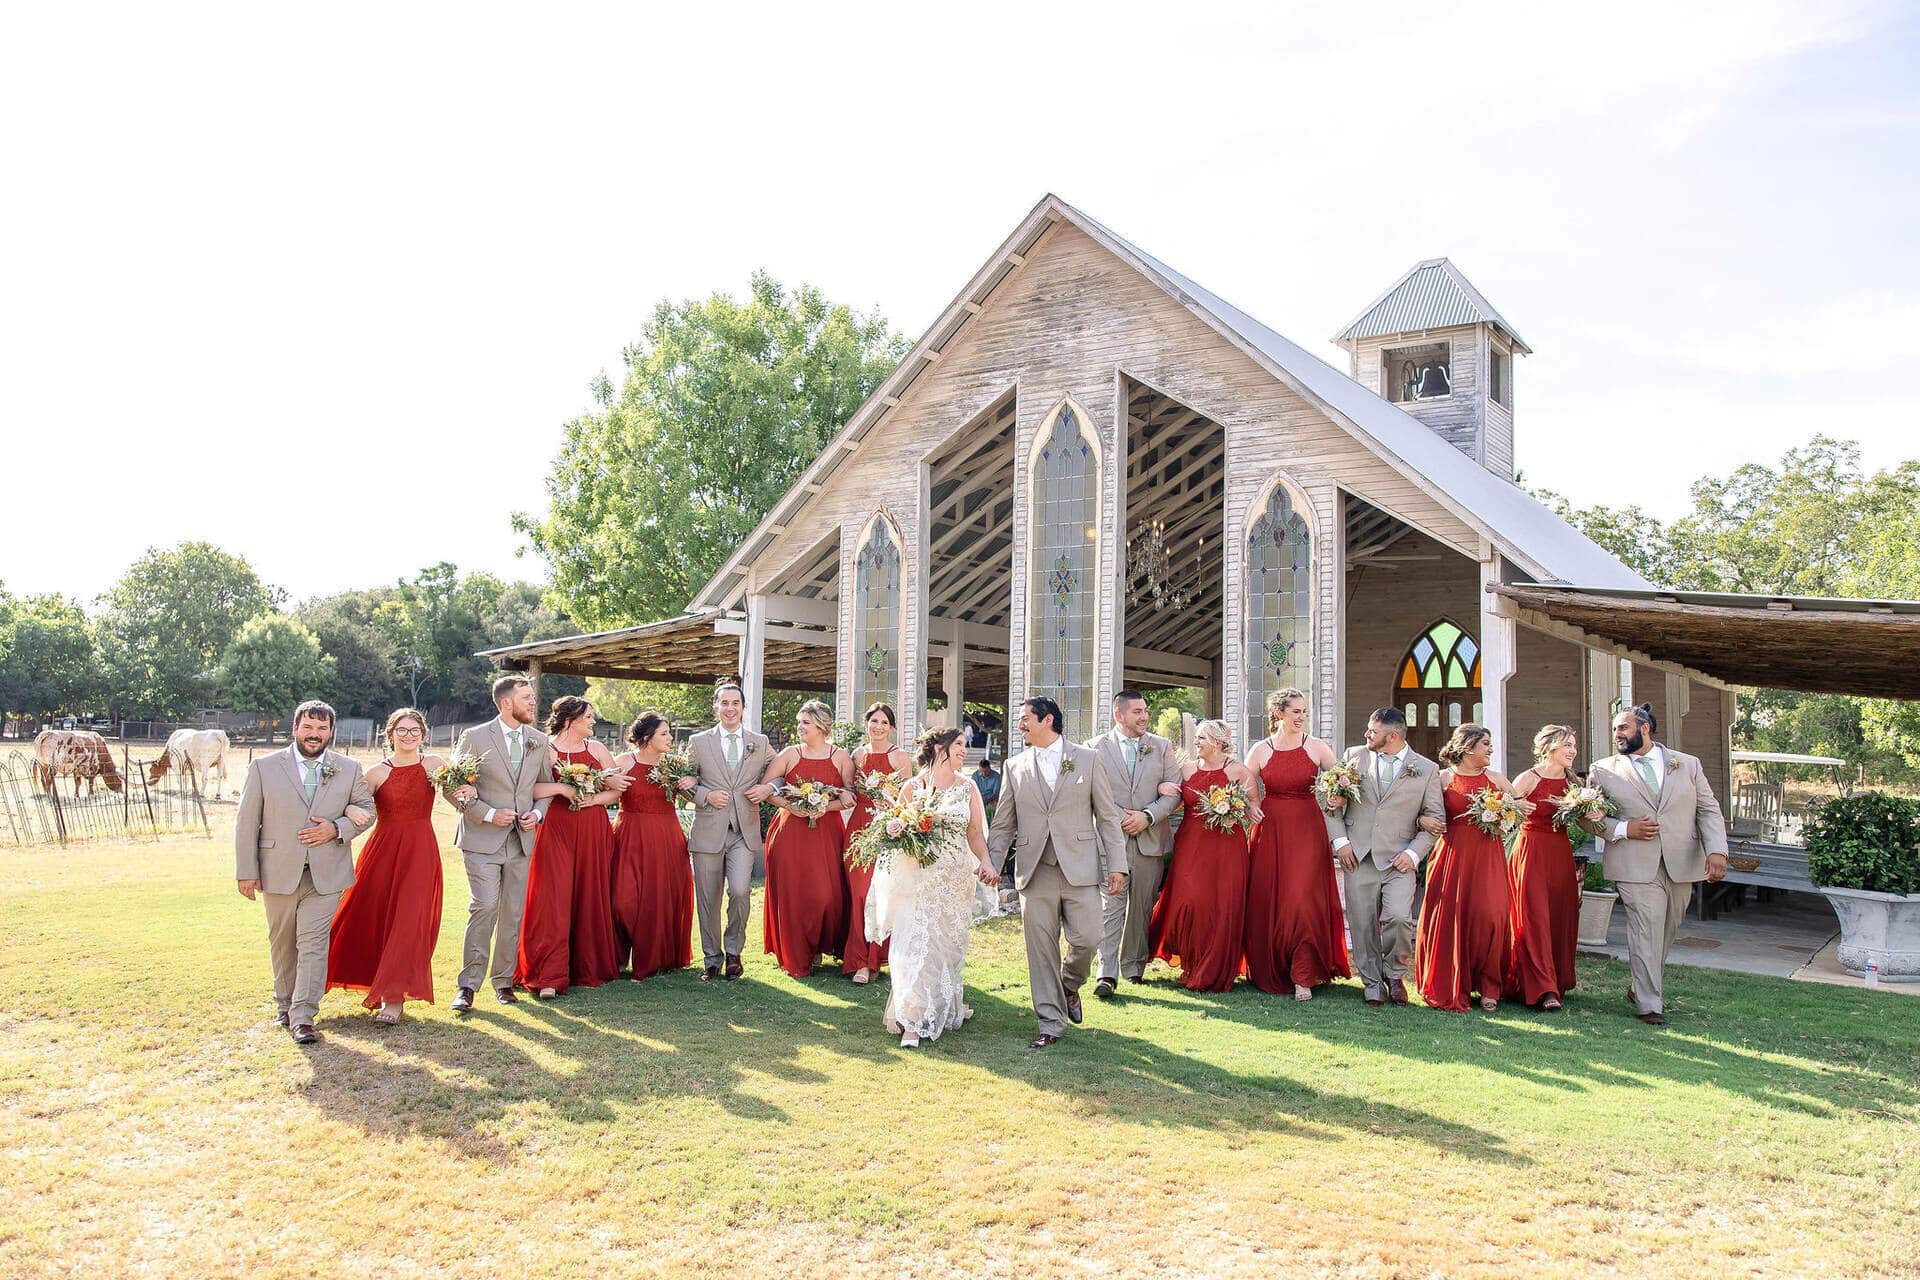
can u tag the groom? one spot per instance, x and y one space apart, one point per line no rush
293 846
1058 815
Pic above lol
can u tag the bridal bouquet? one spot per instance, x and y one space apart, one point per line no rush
460 770
900 829
877 786
1341 781
1577 805
676 763
1227 806
809 798
1495 812
586 781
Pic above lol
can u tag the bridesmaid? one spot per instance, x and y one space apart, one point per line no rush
1465 945
806 894
566 931
1546 892
389 918
652 878
1295 933
876 759
1199 921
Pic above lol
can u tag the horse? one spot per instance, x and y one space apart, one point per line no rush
205 750
77 754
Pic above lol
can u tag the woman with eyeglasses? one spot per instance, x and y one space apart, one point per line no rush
389 918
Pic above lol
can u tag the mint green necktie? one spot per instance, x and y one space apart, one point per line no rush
733 750
310 783
1387 764
1647 771
1133 754
513 750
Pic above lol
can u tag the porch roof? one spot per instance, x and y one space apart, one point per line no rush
680 650
1865 648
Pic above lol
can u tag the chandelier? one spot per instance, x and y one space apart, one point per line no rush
1150 571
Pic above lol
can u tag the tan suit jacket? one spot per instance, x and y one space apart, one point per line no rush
273 809
1383 826
1140 789
1691 825
710 825
500 787
1077 816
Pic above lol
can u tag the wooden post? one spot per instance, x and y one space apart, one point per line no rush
1678 704
753 671
1603 686
1498 644
953 675
533 678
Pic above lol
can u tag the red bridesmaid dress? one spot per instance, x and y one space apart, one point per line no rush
1295 932
1546 902
1464 945
652 881
389 918
806 896
566 931
1199 920
859 953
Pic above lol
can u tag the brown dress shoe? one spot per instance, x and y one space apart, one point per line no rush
1397 991
505 995
303 1033
1652 1019
1073 1007
1042 1040
709 973
280 1018
1104 988
463 1001
734 967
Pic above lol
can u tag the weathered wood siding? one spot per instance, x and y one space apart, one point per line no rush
1388 606
1548 687
1707 736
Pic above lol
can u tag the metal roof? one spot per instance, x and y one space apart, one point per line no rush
1432 295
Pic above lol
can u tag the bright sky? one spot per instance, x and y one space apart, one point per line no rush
322 284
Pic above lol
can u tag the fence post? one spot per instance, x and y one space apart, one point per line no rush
59 815
193 778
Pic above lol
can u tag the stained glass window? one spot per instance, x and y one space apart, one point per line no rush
876 617
1063 614
1279 606
1441 659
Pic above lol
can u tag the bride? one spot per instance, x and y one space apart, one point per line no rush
928 911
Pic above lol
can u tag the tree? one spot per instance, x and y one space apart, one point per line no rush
723 404
48 664
273 665
1634 536
369 678
167 622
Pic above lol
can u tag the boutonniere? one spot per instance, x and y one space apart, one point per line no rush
1411 771
1673 762
1066 763
1146 749
327 771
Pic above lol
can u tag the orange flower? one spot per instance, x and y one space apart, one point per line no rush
926 823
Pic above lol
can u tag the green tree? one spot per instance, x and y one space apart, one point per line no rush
370 679
273 665
48 665
1635 537
723 404
167 622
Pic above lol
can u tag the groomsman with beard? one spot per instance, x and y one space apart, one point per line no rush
726 840
1058 815
498 817
1668 833
1136 763
293 846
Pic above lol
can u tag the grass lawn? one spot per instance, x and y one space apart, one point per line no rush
154 1122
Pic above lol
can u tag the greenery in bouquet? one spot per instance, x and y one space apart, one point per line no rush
1341 781
586 781
1495 812
809 799
462 769
1579 804
1227 806
676 763
900 829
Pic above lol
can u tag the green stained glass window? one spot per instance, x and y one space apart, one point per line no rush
1063 616
1441 657
876 617
1278 606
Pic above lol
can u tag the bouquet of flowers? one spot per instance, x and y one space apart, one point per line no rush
1341 781
1580 804
877 786
676 763
460 770
900 829
586 781
809 798
1495 812
1227 806
847 735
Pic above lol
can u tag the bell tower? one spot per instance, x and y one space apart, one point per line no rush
1436 347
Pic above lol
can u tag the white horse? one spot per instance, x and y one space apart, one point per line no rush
204 749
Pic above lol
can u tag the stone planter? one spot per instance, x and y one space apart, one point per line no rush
1881 927
1596 913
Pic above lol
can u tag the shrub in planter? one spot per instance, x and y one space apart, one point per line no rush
1594 878
1867 841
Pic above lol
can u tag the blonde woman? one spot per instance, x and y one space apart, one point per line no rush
389 918
806 905
1546 892
1199 923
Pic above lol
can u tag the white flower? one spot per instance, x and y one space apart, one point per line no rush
895 827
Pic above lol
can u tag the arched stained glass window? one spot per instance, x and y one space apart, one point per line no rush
1444 663
876 617
1063 529
1279 605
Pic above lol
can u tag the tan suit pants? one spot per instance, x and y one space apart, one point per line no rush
1655 909
1124 916
298 928
1379 923
1048 906
731 871
496 895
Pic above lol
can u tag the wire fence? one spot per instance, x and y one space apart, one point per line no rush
113 799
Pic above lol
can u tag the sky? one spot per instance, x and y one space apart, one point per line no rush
322 285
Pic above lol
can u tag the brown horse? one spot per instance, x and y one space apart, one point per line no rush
74 753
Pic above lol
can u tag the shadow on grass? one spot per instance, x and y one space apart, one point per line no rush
595 1052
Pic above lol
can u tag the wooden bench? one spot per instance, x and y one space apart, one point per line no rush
1780 867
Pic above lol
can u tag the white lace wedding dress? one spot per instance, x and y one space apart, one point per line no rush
928 912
